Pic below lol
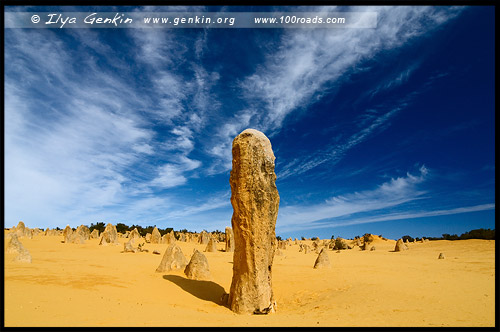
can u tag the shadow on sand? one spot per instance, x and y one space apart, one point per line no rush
202 289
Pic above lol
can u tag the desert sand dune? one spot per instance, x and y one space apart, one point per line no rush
91 285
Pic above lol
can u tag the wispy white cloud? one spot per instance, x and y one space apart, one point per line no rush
334 153
72 136
309 63
392 216
169 176
387 195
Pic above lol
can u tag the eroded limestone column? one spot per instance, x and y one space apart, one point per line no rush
255 202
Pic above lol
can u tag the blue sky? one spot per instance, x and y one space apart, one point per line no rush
388 131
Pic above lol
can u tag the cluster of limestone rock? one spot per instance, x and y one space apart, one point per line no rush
197 268
109 236
251 239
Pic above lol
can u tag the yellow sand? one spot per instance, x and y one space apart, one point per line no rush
92 285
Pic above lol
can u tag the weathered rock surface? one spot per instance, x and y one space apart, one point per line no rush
155 236
94 234
21 229
255 202
84 232
109 236
74 237
229 239
366 246
148 237
340 244
163 239
128 246
203 238
322 261
211 246
65 232
173 259
198 268
14 245
441 256
400 246
134 234
170 237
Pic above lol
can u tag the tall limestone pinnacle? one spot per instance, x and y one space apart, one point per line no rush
255 202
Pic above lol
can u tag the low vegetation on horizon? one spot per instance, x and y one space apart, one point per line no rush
481 233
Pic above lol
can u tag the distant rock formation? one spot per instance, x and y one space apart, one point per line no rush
441 256
134 234
155 236
21 230
75 237
94 234
203 238
197 268
368 238
109 236
211 246
366 246
182 237
128 246
163 239
221 237
173 259
71 236
229 240
53 232
84 232
340 244
148 237
322 261
67 230
372 248
400 246
255 202
14 246
170 237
